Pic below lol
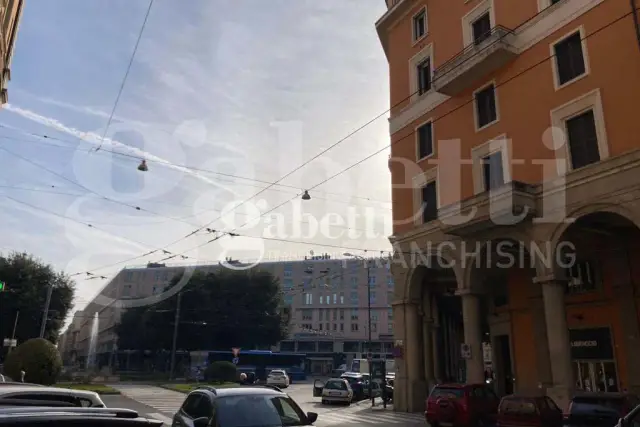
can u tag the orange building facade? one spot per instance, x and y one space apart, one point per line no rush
515 167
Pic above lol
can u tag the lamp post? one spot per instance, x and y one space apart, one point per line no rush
347 254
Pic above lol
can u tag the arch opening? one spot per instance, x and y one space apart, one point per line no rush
596 258
441 328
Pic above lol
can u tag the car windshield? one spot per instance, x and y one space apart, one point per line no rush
449 393
276 373
615 403
352 380
335 385
258 411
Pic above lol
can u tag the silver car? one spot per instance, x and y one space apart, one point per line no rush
20 394
337 390
279 378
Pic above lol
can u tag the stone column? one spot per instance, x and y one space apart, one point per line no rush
427 341
413 344
435 328
473 336
553 292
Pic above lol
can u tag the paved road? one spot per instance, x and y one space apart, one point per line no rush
161 404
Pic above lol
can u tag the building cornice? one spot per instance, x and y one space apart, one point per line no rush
389 19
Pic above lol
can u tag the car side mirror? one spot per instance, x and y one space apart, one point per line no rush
201 422
312 417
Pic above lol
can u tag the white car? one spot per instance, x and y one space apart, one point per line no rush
279 378
337 390
29 394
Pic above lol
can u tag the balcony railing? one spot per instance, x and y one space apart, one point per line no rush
485 55
513 201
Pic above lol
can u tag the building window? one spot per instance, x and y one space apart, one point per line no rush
354 298
429 202
425 140
389 297
328 326
342 314
481 28
372 281
424 76
486 108
335 298
341 327
492 171
287 284
308 299
583 140
372 298
582 277
390 314
288 299
307 314
390 282
129 276
420 25
341 298
354 327
354 314
374 327
390 327
354 282
569 59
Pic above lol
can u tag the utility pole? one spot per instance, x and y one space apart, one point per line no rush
175 337
45 315
369 331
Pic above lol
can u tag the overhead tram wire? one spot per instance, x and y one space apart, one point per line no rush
526 70
258 182
126 75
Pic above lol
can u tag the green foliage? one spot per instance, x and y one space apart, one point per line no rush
219 310
27 280
223 372
38 358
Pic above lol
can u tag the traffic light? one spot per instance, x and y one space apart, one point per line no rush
2 286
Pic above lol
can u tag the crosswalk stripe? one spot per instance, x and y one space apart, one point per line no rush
161 417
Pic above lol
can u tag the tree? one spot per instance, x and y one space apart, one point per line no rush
27 282
38 358
219 310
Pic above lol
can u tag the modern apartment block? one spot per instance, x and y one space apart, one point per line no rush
10 13
328 300
515 165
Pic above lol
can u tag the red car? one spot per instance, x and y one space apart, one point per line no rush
533 411
461 405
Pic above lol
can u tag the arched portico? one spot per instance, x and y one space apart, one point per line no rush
501 277
428 321
597 278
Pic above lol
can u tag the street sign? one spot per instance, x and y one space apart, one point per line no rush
235 360
8 342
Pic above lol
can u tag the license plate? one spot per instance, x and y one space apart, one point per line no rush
335 394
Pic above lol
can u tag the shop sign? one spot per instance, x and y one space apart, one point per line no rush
591 344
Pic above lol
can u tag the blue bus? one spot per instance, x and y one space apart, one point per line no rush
263 361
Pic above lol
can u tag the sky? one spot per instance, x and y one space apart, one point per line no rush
221 99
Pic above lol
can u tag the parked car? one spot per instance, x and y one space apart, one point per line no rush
279 378
359 384
600 409
461 405
337 390
80 417
527 410
632 419
21 394
241 406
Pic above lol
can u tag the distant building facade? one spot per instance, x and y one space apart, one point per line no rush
327 300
